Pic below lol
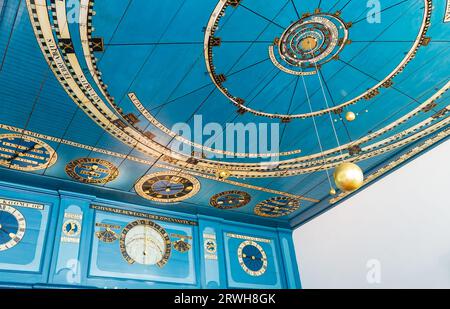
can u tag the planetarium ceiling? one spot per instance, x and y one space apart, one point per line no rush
93 92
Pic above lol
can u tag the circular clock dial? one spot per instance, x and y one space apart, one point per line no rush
92 170
25 153
167 187
12 227
252 258
230 199
144 242
210 246
277 207
71 228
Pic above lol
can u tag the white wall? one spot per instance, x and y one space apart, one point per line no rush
399 225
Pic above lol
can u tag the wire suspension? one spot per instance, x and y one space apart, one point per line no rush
329 113
316 129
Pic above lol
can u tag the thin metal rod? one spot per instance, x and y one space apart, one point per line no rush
328 107
316 130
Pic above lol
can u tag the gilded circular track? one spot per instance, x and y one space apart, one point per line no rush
72 78
209 45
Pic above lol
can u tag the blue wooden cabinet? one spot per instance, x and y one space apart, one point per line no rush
66 239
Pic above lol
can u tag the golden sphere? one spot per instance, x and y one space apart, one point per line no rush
350 116
223 174
348 177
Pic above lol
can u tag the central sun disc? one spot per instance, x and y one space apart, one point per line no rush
308 43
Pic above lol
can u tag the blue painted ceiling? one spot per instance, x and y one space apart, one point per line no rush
156 50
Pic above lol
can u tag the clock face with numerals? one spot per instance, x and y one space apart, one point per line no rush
12 227
25 153
252 258
92 170
167 187
145 242
230 199
277 207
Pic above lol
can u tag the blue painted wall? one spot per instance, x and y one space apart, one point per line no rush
60 247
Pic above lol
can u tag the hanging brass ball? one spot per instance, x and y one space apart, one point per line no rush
332 191
350 116
348 177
